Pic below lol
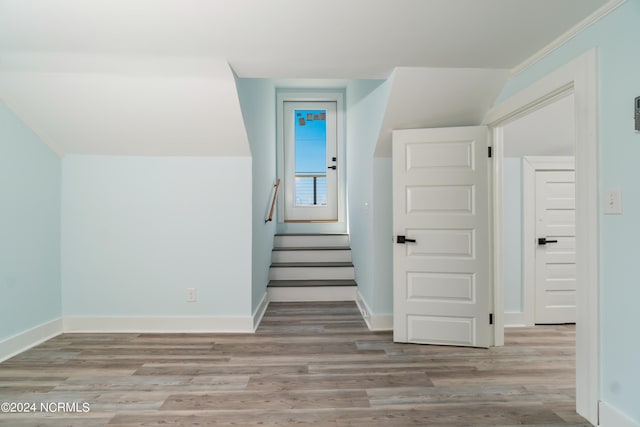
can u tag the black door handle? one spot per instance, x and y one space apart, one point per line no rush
544 241
403 239
332 167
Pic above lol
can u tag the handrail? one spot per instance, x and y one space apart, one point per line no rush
273 202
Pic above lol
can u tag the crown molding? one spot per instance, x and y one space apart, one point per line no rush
571 33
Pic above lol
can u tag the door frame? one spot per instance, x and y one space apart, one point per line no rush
580 78
337 96
531 165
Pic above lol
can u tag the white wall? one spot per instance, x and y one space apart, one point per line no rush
138 231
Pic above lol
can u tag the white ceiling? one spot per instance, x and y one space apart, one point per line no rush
153 77
296 38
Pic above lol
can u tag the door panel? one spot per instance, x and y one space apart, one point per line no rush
442 330
444 287
441 243
450 199
555 261
442 293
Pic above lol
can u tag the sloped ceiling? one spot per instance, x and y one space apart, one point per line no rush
139 111
437 97
153 77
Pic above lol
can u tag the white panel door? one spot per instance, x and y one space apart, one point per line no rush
555 247
442 293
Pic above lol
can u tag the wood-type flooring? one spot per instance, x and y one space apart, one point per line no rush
308 364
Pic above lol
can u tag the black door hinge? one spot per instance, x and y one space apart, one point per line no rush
490 153
491 318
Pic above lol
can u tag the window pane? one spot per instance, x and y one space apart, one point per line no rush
311 157
305 188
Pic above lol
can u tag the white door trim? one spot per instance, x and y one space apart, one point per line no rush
530 165
580 77
301 96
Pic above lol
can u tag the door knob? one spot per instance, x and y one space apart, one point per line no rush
544 241
332 167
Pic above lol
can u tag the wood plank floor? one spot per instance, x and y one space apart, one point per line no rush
308 363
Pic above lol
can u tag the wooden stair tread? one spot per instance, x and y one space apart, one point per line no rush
311 264
312 248
309 283
312 234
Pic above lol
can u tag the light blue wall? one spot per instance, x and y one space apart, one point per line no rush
258 103
616 37
30 177
366 103
138 231
383 236
513 235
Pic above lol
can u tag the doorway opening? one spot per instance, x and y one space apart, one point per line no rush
539 271
310 159
580 78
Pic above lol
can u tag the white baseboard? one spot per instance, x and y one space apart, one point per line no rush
260 310
139 324
364 309
514 319
23 341
381 322
611 417
375 322
315 293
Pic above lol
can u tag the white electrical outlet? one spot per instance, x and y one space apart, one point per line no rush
191 294
613 202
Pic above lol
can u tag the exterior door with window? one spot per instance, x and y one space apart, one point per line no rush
311 163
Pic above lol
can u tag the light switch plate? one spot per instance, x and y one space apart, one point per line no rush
613 202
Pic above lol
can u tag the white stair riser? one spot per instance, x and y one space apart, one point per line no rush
311 256
321 293
311 273
317 240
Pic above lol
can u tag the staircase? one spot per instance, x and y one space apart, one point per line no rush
311 267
